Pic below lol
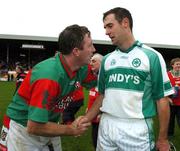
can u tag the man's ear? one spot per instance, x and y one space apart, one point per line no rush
125 22
76 52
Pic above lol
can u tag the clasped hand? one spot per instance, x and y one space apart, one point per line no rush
80 125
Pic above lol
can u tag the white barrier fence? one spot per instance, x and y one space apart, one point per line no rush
9 76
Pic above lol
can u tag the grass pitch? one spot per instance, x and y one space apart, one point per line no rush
82 143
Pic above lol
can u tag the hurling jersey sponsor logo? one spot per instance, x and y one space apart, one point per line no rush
60 104
113 62
77 84
136 62
124 57
72 83
64 103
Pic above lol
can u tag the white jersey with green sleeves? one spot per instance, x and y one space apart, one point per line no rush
133 81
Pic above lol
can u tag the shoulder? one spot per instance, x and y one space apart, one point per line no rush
108 56
150 52
47 69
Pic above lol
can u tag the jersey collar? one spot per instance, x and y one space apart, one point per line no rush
70 73
136 43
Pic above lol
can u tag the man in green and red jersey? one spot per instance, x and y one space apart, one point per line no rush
46 92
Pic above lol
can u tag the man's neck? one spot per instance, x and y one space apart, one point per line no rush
126 45
72 64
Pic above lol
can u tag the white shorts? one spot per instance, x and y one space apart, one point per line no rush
19 140
3 138
117 134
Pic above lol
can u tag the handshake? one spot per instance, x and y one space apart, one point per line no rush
79 126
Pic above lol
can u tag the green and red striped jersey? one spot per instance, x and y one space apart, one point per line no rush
47 90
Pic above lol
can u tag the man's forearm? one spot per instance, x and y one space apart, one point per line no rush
163 115
51 129
95 109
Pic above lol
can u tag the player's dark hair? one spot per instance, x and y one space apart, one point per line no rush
72 37
120 14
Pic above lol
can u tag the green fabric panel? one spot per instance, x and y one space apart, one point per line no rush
149 123
154 88
43 70
149 104
167 86
156 74
126 79
18 110
101 76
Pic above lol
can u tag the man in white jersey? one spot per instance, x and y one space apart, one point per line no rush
132 83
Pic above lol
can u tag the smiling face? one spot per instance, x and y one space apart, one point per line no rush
176 66
86 52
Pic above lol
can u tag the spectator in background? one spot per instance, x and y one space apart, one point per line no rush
20 76
3 71
68 115
93 94
174 76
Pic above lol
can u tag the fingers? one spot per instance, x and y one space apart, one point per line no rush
80 125
86 110
83 121
76 121
162 145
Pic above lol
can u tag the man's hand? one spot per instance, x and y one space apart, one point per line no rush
170 101
162 145
83 121
79 127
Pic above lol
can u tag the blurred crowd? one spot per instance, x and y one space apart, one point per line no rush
8 70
